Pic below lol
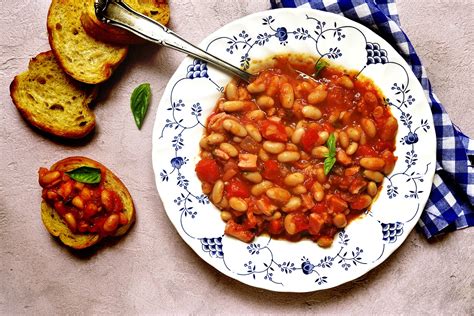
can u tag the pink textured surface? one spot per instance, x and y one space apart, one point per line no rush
152 270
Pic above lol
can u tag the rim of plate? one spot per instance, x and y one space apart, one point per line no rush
242 21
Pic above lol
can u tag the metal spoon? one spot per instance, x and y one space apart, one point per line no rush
117 13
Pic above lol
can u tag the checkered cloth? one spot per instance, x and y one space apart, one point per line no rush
450 205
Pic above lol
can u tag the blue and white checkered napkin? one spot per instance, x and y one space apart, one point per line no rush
451 202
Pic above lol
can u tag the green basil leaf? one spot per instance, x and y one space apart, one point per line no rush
331 143
331 156
85 175
320 65
139 102
328 164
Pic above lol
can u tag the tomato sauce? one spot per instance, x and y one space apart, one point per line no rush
294 157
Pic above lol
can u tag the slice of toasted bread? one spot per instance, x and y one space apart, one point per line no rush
80 55
157 10
51 100
58 228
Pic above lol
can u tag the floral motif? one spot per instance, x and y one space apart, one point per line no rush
282 35
307 267
177 162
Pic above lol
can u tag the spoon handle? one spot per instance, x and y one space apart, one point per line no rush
119 14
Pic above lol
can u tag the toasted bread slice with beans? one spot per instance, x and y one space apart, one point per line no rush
64 210
81 56
157 10
51 100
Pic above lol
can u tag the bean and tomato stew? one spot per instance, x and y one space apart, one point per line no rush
85 208
294 157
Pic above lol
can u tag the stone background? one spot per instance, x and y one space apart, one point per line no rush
152 270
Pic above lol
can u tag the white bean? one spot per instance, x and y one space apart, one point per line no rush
217 192
238 204
292 205
352 148
294 179
311 112
297 135
234 127
260 188
229 149
287 96
273 147
254 177
320 152
253 132
288 156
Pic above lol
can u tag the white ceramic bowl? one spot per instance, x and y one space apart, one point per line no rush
279 265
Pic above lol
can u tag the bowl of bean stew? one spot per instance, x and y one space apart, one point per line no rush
311 174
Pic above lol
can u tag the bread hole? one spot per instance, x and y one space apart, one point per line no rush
74 97
81 117
57 107
59 26
75 31
153 12
49 76
31 97
83 123
41 80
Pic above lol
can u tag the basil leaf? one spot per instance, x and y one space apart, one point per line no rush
320 65
328 164
85 175
331 156
331 142
139 102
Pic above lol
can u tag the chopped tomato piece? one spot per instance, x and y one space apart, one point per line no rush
236 188
316 222
381 145
273 131
336 204
319 207
238 231
365 150
207 170
230 170
335 96
271 170
309 139
275 227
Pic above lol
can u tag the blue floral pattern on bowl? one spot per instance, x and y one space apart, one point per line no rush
275 264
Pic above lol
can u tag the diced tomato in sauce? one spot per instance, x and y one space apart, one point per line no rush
207 170
273 131
236 188
271 170
309 138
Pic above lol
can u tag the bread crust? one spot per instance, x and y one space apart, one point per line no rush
28 113
157 10
57 227
70 56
